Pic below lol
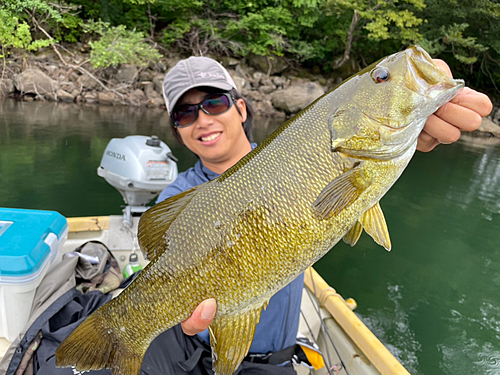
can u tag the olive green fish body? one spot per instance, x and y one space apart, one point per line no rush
246 234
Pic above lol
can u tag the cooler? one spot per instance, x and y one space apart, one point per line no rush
29 248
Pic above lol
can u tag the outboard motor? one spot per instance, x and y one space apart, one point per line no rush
139 167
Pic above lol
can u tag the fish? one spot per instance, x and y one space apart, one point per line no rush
246 234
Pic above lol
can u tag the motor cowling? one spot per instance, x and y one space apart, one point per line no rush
139 167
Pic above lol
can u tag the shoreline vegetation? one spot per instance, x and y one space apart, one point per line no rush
281 55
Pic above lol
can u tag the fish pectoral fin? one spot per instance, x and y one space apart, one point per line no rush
340 193
374 224
352 236
231 338
155 222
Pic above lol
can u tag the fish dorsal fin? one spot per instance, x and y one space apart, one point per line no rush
231 338
341 192
155 222
352 236
373 222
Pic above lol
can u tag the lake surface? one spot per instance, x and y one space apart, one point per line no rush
434 300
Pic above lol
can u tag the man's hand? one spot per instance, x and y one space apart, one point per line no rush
462 113
201 318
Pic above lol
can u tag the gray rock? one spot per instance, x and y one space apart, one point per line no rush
148 88
64 96
91 97
86 82
264 107
245 91
279 81
158 82
266 81
158 101
34 81
107 98
257 78
126 73
67 86
52 70
109 72
239 82
6 87
278 64
488 126
229 62
137 98
266 90
145 75
295 98
254 95
238 69
496 116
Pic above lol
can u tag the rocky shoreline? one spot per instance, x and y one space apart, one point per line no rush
275 89
278 92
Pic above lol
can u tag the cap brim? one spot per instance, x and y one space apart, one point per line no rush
217 85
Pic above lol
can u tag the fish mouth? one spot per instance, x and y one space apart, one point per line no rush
425 78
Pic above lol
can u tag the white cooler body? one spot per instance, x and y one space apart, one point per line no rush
29 248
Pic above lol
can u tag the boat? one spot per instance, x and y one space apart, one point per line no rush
345 344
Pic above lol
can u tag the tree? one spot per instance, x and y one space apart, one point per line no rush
377 20
117 45
465 34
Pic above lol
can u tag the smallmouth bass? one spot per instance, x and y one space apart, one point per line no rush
246 234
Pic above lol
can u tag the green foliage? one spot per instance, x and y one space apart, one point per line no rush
315 32
41 7
383 19
15 33
263 32
12 32
117 45
465 35
49 21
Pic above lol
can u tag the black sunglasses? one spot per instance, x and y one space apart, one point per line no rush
215 104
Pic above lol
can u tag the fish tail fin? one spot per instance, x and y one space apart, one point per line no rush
92 346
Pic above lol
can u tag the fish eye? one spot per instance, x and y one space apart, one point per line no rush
381 75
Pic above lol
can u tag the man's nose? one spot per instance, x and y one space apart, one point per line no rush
203 118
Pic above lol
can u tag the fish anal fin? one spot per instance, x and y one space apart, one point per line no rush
352 236
231 338
155 222
340 193
374 224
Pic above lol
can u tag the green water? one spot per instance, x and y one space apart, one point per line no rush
434 300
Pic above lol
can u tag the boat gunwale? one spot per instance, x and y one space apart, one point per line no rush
376 352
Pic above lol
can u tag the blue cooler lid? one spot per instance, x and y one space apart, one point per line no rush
23 246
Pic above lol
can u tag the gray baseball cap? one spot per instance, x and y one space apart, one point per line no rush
194 72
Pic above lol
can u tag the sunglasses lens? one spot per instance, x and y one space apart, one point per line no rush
185 115
216 104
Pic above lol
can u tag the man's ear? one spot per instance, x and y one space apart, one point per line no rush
243 109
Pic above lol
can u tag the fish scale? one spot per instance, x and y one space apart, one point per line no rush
246 234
